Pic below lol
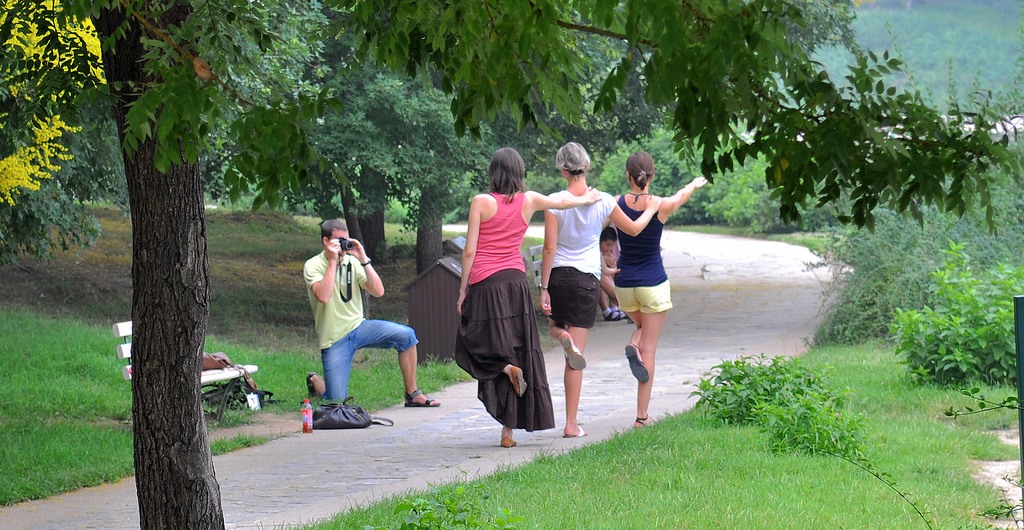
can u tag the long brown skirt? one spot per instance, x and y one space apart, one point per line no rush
499 327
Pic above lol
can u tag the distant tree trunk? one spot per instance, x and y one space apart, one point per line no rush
175 479
348 204
428 230
372 224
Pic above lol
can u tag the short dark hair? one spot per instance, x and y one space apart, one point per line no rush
328 227
609 234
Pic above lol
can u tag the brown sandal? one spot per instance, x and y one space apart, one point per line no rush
507 442
515 374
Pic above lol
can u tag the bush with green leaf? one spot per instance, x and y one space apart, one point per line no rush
889 266
966 333
452 507
789 402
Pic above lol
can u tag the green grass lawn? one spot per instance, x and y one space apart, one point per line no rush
688 472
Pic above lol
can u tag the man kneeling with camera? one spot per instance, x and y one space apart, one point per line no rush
335 280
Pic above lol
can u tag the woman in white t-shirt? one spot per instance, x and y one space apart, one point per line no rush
571 269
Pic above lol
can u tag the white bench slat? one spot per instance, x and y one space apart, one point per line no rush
223 374
534 257
207 376
123 329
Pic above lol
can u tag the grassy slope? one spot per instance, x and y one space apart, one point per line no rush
963 41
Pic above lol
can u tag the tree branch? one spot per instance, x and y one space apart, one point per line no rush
596 31
200 65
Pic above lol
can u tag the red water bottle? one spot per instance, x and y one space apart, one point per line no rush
307 416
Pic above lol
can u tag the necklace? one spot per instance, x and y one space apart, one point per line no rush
636 196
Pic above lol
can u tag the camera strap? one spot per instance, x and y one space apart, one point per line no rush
347 295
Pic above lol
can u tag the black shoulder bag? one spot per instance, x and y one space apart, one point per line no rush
345 416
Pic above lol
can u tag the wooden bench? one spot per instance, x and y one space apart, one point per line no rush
218 385
532 258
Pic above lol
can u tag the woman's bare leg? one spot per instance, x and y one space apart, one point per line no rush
574 384
653 324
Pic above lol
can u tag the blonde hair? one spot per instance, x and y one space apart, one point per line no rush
573 158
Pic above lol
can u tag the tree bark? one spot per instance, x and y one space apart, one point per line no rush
348 204
372 224
429 230
175 479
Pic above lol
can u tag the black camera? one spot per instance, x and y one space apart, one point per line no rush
346 244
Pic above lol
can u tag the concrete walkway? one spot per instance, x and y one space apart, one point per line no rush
732 297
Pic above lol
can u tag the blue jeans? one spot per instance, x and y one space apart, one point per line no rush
338 357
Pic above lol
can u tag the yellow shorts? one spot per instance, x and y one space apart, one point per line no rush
645 299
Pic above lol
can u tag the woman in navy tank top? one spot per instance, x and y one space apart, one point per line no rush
641 284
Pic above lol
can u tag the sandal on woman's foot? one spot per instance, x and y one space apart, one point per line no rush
579 434
410 400
573 357
515 374
635 365
507 442
642 422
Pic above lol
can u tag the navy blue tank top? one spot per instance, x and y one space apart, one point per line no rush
640 262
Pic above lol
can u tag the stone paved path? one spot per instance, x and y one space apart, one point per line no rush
732 297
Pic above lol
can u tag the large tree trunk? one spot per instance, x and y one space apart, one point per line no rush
174 474
428 230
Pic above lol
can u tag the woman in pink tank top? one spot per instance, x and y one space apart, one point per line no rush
498 342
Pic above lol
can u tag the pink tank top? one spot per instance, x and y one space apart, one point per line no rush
501 238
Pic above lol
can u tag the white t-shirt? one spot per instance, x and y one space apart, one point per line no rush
579 232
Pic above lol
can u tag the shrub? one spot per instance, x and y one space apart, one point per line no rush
889 267
788 401
451 508
967 333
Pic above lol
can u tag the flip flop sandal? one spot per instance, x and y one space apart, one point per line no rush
573 357
428 403
635 366
518 381
581 434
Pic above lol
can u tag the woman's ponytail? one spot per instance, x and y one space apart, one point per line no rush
640 168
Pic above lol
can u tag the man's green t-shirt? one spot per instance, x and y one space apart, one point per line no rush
337 317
